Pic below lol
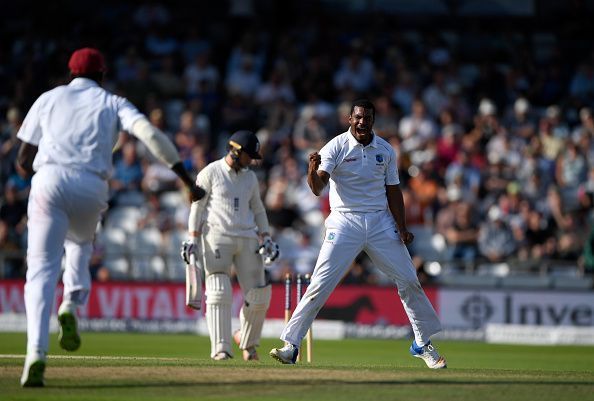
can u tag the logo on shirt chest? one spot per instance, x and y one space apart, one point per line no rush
349 159
379 158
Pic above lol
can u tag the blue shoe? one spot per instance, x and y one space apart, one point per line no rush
287 354
429 354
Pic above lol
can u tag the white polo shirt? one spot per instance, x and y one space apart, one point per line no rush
232 200
359 174
77 126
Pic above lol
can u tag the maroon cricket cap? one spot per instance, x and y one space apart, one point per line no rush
86 61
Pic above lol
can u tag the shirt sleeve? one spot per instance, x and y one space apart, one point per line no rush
257 207
30 131
328 154
128 114
392 177
197 208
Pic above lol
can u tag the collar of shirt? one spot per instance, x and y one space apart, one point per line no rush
230 169
83 82
354 142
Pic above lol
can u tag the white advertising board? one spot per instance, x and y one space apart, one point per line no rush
475 309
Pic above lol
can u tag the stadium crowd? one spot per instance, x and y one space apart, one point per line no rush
493 127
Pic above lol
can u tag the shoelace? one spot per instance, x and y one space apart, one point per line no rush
432 353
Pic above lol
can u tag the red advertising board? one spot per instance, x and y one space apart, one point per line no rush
362 304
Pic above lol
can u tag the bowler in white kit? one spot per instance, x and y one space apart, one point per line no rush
67 140
367 214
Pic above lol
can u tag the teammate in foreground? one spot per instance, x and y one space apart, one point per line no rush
68 136
367 215
223 230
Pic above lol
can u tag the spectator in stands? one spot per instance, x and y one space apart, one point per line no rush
356 71
461 172
167 80
462 236
245 80
127 175
435 95
416 129
11 252
538 241
13 211
571 171
201 75
9 143
496 241
309 134
521 123
386 117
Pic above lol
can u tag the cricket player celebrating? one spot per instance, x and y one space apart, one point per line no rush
367 214
224 230
68 136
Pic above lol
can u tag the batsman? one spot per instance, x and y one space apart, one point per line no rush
229 227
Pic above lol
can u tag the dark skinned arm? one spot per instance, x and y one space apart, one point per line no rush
316 179
25 158
396 205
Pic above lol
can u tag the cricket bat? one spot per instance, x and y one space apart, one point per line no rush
193 284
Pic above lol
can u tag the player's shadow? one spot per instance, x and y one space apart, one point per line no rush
347 313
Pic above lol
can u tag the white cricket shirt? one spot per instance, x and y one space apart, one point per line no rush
232 200
77 126
359 174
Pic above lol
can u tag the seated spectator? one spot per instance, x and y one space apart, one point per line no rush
246 80
9 143
385 123
496 240
468 176
425 186
276 89
539 242
309 134
12 253
462 235
201 75
571 171
13 211
521 122
356 72
416 129
127 172
167 80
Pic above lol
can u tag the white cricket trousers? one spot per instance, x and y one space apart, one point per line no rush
347 234
63 211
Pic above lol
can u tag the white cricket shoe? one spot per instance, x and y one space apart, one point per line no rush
33 370
221 356
429 354
287 354
68 337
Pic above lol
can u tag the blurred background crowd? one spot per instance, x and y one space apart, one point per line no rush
488 104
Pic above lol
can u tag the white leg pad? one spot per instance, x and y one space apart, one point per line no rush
219 296
253 314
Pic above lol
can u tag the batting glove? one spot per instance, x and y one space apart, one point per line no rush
189 247
269 250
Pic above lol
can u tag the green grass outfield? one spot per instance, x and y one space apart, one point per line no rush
131 366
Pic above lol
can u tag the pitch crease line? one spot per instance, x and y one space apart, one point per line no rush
117 358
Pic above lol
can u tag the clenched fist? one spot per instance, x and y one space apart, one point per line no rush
407 237
314 162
